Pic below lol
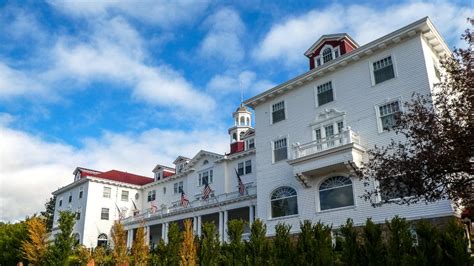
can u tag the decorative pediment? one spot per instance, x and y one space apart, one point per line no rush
326 115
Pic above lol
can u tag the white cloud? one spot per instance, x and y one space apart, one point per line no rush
113 52
164 13
228 83
31 168
288 40
222 41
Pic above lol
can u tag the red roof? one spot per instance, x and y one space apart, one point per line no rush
124 177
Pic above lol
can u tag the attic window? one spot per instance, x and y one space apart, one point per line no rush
327 55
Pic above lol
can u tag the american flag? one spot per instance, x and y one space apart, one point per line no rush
241 184
136 211
207 189
153 207
184 200
120 213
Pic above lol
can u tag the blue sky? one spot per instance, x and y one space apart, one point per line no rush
127 85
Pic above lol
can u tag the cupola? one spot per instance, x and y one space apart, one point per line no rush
242 122
329 47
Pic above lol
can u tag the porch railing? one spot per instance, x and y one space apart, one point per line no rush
175 207
345 137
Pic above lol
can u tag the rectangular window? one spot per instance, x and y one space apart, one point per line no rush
340 127
164 190
124 195
383 70
251 144
78 215
336 52
104 214
318 61
60 202
70 198
248 167
107 191
329 130
278 112
81 192
207 176
325 94
151 195
389 114
178 187
240 168
157 176
280 150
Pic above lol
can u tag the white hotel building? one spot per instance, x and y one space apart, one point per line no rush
311 132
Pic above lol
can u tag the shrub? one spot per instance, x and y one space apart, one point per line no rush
373 250
284 249
350 254
454 245
209 248
400 242
428 250
259 247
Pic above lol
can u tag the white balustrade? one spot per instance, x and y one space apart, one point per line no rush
345 137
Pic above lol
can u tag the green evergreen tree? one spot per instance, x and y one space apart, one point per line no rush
62 248
284 249
159 255
174 244
305 246
323 245
259 249
48 213
428 250
373 248
400 242
209 247
454 245
350 254
234 250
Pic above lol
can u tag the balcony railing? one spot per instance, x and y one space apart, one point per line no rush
345 137
164 211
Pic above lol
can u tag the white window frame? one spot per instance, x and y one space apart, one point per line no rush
315 89
177 186
210 176
318 200
320 56
104 194
271 110
122 194
102 212
380 57
269 209
247 143
151 196
246 165
377 111
272 145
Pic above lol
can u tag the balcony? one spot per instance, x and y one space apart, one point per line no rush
194 205
340 152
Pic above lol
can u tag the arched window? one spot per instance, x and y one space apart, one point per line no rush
327 55
205 162
234 137
102 240
242 120
248 121
336 192
284 202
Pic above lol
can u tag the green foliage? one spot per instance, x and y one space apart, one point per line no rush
454 245
323 244
428 250
350 254
259 250
284 250
48 213
209 245
305 244
11 237
234 251
400 242
174 243
140 248
59 252
373 250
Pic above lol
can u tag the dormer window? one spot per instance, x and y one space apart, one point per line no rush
327 54
157 176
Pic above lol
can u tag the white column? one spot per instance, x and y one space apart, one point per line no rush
226 218
147 235
130 239
195 225
221 226
199 226
163 231
251 216
166 232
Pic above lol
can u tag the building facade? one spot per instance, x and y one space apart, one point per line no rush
314 130
311 134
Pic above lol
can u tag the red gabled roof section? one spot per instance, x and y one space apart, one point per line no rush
125 177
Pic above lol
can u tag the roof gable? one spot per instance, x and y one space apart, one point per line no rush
180 159
330 38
